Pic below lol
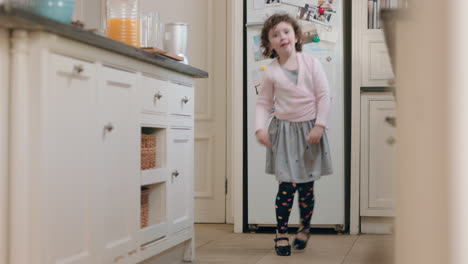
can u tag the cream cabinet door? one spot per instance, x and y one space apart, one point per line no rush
181 182
67 187
376 66
377 155
119 172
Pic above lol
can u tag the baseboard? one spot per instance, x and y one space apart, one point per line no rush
168 251
170 256
377 225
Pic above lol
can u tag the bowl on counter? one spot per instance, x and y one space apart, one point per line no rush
60 10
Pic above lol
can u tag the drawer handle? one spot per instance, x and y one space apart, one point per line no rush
185 100
77 69
133 252
391 141
119 84
109 127
157 96
175 173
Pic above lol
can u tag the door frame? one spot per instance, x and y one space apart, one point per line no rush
4 139
234 151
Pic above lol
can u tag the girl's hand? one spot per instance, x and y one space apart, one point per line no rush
263 138
315 135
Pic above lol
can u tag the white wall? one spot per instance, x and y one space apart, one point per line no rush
89 12
92 13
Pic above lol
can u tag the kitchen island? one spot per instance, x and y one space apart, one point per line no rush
98 159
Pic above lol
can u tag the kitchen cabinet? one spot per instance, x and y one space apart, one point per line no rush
118 169
172 178
65 189
181 193
371 175
78 115
377 154
376 67
371 50
91 147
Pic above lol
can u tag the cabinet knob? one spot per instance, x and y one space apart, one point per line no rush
185 100
119 258
77 69
109 127
391 141
175 173
157 96
391 120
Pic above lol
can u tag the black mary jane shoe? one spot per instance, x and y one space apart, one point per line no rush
282 250
299 243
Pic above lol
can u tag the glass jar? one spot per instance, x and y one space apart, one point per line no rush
123 21
148 23
176 39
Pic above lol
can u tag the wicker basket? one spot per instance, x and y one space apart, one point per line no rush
148 151
144 208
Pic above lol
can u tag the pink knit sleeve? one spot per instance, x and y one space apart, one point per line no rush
264 102
322 94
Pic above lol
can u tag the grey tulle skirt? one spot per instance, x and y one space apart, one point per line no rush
292 159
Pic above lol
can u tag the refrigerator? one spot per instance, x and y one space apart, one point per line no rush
329 211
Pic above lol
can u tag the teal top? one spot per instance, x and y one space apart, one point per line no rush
291 74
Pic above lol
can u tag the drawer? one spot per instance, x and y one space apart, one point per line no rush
72 68
154 95
181 121
181 100
118 78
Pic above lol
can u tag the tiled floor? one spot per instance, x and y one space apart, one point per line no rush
218 244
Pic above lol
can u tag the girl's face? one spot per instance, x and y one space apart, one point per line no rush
282 39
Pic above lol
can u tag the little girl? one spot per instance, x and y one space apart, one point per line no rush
297 145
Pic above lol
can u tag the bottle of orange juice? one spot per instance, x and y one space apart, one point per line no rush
123 21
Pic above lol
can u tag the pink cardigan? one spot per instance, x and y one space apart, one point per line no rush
307 100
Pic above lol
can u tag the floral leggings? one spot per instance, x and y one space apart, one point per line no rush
285 199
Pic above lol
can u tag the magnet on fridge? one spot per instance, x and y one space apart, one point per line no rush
263 67
316 38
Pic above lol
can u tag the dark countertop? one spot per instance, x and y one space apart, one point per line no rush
11 17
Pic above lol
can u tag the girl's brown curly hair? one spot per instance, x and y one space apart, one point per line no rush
271 22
